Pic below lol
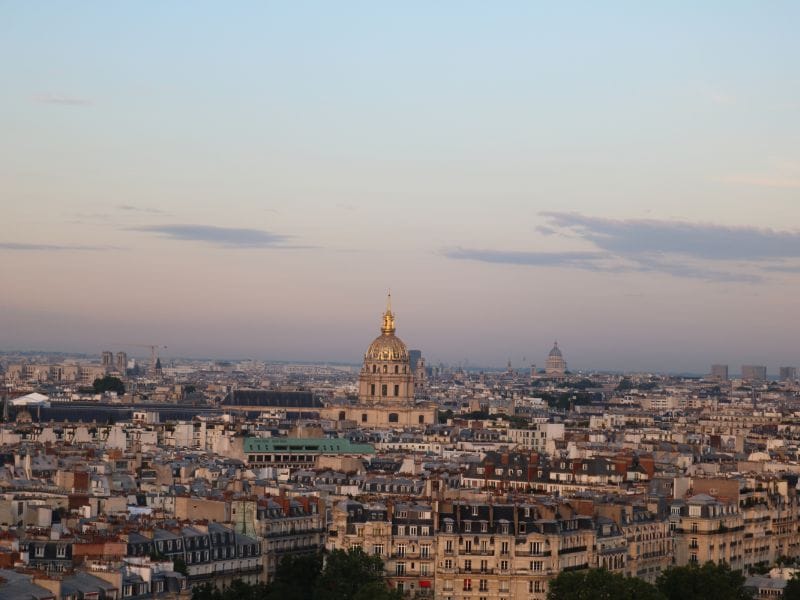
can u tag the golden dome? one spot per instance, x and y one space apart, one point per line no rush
387 346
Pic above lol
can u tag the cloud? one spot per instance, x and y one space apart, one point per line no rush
765 182
50 247
634 237
63 100
582 260
687 250
226 237
142 209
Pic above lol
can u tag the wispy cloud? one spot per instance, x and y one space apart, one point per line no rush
583 260
634 237
787 183
680 249
62 100
226 237
51 247
141 209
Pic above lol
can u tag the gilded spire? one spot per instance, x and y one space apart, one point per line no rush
388 318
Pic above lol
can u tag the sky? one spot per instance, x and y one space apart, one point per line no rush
248 179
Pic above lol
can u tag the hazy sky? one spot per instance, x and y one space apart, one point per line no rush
249 178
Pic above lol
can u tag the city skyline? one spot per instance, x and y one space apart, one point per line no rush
249 181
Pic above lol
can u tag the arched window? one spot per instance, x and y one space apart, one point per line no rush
393 418
374 368
385 368
396 368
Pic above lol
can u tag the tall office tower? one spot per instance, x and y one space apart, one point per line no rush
719 372
107 359
788 373
122 362
413 359
754 372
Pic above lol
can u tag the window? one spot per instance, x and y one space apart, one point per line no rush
377 549
364 416
396 390
401 550
401 530
468 585
467 526
504 548
448 545
474 511
468 566
385 370
400 568
384 388
393 417
425 530
483 585
504 565
412 530
421 419
39 551
425 551
396 370
448 563
372 390
61 551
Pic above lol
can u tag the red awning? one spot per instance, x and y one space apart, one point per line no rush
425 584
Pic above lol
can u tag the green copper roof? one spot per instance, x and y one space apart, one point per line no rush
314 445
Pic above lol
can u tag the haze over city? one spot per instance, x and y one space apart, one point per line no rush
250 179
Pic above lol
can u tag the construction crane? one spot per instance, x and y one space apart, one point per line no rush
154 348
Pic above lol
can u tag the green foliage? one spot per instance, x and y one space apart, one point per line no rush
445 415
709 582
624 385
179 566
109 383
237 590
792 589
353 575
295 578
600 584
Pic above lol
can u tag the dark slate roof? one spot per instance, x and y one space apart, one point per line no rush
272 398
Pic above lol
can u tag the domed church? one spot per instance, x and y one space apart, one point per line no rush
386 384
555 366
386 376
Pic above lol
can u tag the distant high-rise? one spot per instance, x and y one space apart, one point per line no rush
788 373
122 362
719 372
555 366
107 358
413 359
754 372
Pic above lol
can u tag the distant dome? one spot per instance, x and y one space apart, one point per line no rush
555 351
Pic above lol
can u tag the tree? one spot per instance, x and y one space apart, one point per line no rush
109 383
792 589
179 566
710 582
295 578
600 584
353 575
